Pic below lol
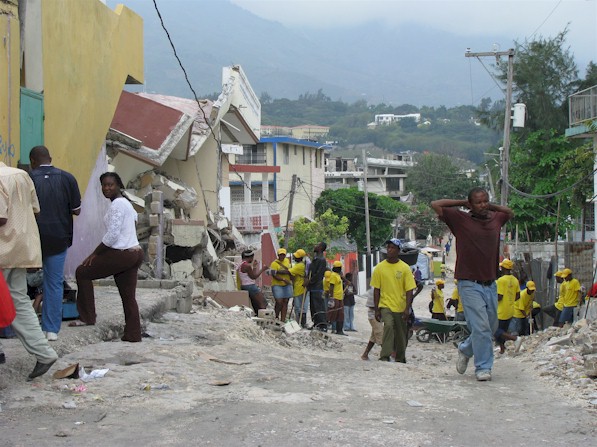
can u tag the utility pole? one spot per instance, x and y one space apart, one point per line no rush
507 117
290 202
367 229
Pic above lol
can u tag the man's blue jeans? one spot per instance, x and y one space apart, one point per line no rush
349 318
53 292
480 310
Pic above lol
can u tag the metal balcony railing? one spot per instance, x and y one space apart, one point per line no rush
582 107
255 217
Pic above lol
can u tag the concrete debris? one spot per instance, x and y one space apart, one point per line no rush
177 246
568 354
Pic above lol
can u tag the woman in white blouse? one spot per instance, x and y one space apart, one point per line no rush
118 254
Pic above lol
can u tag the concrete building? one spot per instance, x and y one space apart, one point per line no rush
261 180
386 119
304 132
385 176
582 119
55 89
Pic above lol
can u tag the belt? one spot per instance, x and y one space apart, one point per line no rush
483 283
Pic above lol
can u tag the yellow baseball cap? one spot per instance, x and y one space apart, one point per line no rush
531 285
558 274
566 272
439 282
327 274
282 251
337 264
507 264
300 253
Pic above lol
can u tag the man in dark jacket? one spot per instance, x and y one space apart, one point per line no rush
316 271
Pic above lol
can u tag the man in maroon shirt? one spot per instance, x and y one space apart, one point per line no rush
477 232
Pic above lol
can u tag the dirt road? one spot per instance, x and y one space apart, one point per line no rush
215 378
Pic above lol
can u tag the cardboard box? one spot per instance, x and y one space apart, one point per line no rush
230 298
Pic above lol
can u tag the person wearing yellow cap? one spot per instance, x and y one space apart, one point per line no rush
571 297
477 232
437 301
522 310
393 284
554 310
335 294
456 302
508 290
299 292
281 284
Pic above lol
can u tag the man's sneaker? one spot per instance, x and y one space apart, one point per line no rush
461 362
517 344
484 376
51 336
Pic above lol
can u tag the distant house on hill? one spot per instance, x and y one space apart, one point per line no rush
386 119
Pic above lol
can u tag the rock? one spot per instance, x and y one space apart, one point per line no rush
564 340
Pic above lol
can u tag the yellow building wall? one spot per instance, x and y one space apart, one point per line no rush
9 82
89 51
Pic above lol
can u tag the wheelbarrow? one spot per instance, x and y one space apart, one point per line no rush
442 331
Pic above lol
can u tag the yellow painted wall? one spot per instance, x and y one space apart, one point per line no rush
9 83
88 52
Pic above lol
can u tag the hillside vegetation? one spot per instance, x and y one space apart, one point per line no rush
448 131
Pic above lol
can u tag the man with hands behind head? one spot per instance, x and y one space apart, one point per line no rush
477 232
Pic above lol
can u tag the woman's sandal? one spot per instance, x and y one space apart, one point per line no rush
77 323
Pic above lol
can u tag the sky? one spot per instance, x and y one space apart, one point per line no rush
519 19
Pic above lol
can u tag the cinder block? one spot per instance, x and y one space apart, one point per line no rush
266 313
291 327
157 207
156 195
154 220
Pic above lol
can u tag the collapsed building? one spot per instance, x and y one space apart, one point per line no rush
172 155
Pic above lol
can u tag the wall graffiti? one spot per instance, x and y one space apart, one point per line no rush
7 151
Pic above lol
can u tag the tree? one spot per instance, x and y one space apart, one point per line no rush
545 74
436 176
326 227
424 221
350 203
546 164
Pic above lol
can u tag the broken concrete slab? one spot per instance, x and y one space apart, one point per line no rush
563 340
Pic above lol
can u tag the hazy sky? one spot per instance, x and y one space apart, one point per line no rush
517 19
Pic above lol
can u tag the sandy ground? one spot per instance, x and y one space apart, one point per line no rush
213 377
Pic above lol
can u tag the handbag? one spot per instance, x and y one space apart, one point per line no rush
7 306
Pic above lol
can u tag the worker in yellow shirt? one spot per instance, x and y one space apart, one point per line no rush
299 301
508 290
522 310
571 297
437 301
335 293
281 284
456 302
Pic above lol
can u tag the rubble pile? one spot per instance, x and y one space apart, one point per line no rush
189 248
568 355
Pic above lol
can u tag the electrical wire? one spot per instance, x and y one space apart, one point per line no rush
553 194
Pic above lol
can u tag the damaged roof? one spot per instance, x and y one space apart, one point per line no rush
149 130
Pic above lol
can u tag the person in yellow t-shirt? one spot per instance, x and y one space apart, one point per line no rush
437 298
456 302
281 284
393 283
335 293
300 300
522 310
570 298
508 290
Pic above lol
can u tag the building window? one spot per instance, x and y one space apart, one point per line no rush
295 149
304 155
286 152
253 154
